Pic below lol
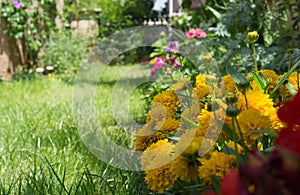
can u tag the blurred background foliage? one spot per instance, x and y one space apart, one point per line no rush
226 24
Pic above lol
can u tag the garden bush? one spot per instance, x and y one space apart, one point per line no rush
65 53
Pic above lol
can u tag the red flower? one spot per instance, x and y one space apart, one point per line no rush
230 182
289 139
210 193
290 111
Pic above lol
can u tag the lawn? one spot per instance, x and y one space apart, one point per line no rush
41 150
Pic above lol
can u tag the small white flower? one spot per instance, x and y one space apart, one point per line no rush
39 70
49 67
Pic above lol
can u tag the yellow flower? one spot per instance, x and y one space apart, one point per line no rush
158 113
208 122
185 169
168 99
161 179
218 165
261 102
277 124
192 142
252 37
293 80
156 161
252 120
155 131
157 154
207 57
189 143
229 84
152 61
201 93
145 137
257 100
201 88
200 82
169 126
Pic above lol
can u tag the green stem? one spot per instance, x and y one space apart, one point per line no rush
242 138
206 68
189 120
245 95
291 61
254 57
235 142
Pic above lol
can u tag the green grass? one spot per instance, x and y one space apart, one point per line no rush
40 149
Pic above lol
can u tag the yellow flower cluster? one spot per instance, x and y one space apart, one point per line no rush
217 165
183 142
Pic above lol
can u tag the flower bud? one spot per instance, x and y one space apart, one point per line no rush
231 98
290 51
252 37
243 86
232 111
207 57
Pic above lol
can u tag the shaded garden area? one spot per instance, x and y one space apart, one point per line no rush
201 95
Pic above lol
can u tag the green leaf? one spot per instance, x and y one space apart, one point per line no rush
286 76
216 183
154 54
215 12
260 80
269 149
229 132
291 89
236 76
264 132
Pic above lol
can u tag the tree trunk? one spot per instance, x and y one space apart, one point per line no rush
10 57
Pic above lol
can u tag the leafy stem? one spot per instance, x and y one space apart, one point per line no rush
254 57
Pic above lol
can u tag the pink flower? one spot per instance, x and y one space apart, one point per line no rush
198 33
190 34
17 4
175 62
159 63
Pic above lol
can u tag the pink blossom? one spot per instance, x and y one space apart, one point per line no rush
159 63
196 32
190 34
200 34
17 4
159 60
155 67
175 62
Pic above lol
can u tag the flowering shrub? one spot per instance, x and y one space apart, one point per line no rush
223 134
30 23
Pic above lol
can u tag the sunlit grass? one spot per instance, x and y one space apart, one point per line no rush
41 150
